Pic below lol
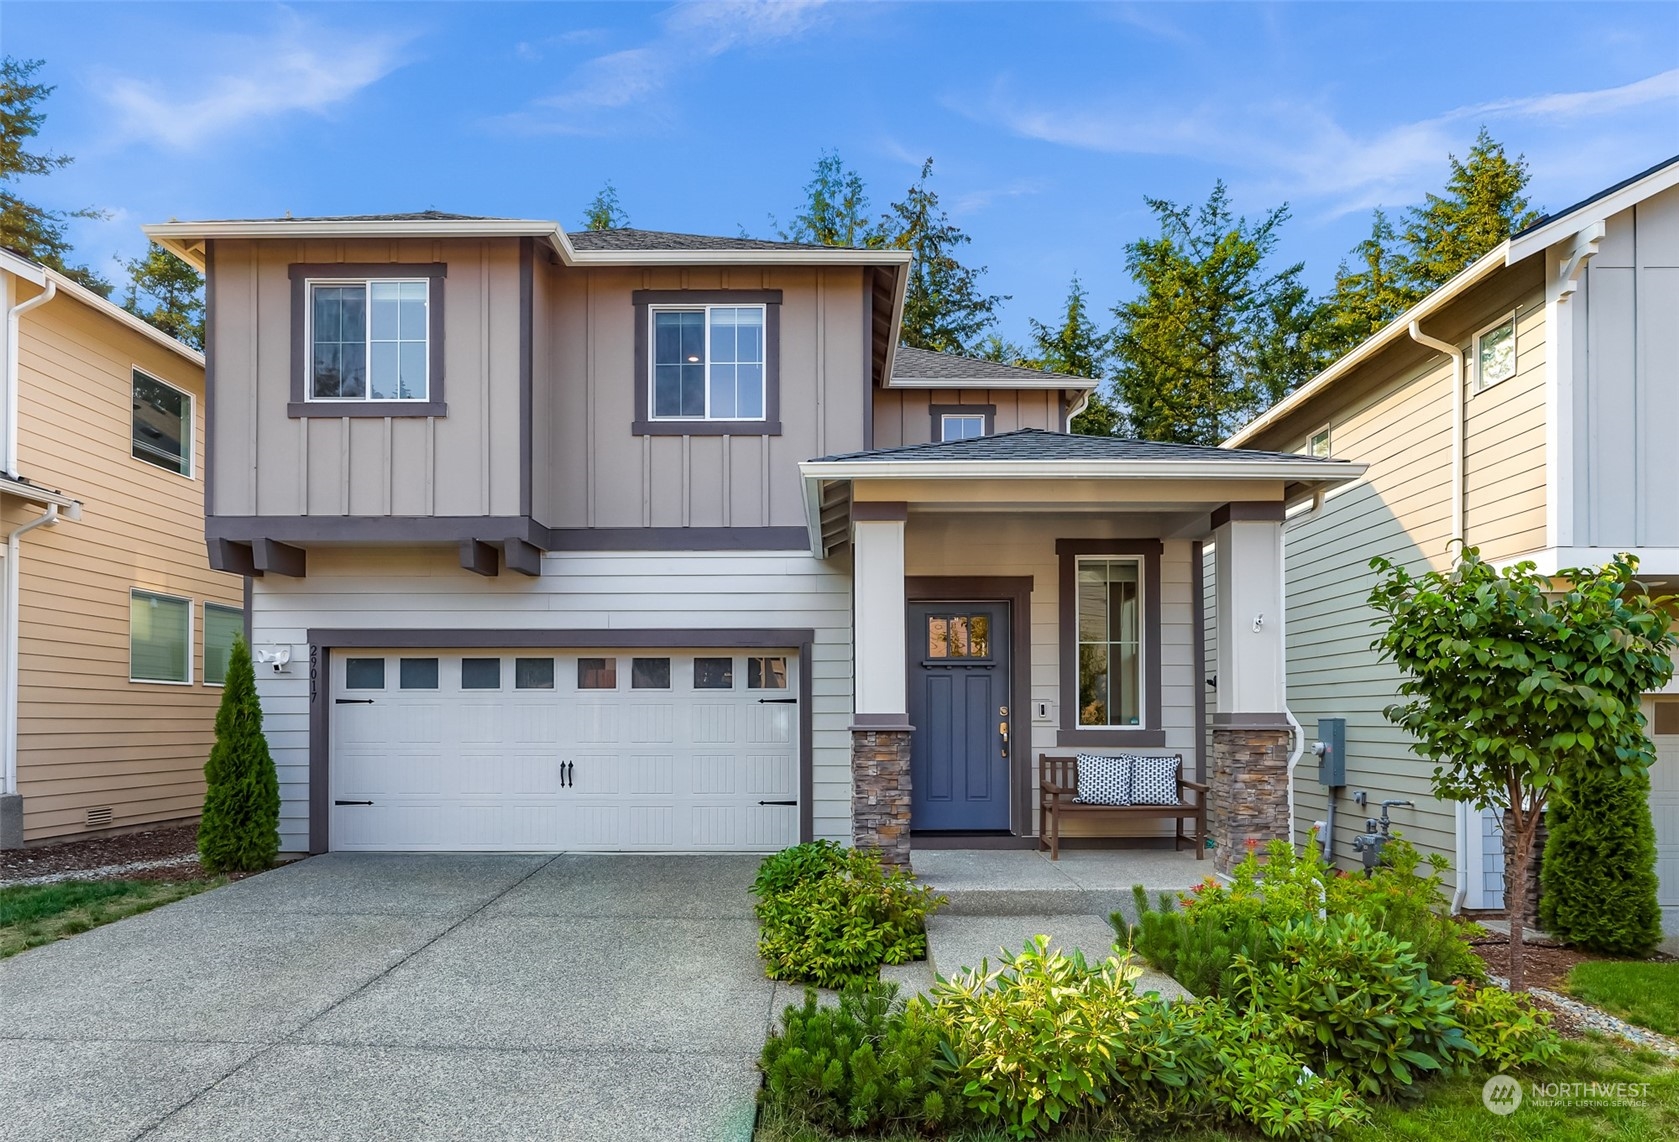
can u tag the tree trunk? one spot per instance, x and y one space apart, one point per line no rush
1517 892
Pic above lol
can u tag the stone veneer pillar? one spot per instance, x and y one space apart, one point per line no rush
1247 801
880 792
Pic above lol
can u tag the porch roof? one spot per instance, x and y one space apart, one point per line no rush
1065 468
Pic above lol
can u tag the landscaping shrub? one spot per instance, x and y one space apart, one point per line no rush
1365 1007
240 828
1257 1078
1599 871
869 1064
832 916
1199 952
1407 906
1508 1030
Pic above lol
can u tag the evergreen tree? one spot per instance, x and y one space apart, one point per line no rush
944 310
1598 878
34 231
1368 298
168 293
996 347
1484 204
240 829
835 210
604 211
1078 348
1215 335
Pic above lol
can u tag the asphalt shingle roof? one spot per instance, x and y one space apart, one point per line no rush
636 240
926 365
417 216
1037 444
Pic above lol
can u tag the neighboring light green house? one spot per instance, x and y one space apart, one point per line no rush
1530 406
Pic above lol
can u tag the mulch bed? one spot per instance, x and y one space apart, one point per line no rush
1546 966
97 852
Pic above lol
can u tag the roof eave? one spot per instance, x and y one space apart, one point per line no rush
1565 225
1050 381
1316 472
41 275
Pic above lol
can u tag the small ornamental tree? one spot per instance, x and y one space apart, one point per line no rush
1599 875
240 829
1517 684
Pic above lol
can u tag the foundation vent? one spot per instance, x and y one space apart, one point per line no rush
97 818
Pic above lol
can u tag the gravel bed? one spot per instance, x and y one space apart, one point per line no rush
112 872
153 854
1587 1017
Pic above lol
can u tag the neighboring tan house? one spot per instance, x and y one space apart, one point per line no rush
115 629
1530 406
637 540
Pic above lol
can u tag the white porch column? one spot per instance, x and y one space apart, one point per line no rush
1248 798
880 730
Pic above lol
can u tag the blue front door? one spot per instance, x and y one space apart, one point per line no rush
959 706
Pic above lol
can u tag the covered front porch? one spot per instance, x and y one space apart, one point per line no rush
1038 593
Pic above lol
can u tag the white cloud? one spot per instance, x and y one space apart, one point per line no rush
633 79
303 66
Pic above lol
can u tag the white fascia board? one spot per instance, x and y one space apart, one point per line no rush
835 257
35 494
1563 226
1396 330
68 287
895 333
1050 382
1317 472
1656 562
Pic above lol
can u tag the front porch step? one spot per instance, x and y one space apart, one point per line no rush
1084 882
958 943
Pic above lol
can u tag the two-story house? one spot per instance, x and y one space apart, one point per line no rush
114 629
1530 407
649 541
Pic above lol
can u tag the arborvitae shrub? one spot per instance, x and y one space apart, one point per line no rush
240 829
1599 872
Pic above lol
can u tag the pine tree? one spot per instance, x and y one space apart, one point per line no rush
34 231
1598 878
1078 348
943 309
835 210
240 829
604 211
996 347
1377 292
175 291
1482 206
1215 335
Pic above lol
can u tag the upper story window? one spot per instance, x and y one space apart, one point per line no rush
1495 353
369 340
162 424
961 426
708 363
1319 446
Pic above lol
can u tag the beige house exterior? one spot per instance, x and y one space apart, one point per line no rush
116 627
1529 407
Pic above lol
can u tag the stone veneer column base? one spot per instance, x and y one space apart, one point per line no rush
880 792
1247 802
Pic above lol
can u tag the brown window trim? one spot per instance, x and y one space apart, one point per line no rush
939 411
300 405
1070 733
770 299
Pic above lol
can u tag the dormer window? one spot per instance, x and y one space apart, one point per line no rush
367 339
708 363
963 421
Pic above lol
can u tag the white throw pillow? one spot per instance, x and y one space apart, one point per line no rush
1154 781
1104 779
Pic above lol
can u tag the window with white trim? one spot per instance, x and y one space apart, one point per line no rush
1110 641
369 339
961 425
222 624
162 424
159 637
708 362
1319 446
1495 353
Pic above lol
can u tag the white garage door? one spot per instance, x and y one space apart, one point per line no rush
1664 805
536 751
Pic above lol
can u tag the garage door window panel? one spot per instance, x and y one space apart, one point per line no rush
418 674
650 674
533 674
714 673
364 674
766 672
597 674
480 674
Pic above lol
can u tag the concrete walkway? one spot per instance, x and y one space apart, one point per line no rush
414 997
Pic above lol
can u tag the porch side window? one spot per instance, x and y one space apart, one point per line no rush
1110 642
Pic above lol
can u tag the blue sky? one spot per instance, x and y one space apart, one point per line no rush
1049 123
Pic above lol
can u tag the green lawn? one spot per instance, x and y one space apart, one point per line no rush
1645 994
1451 1109
35 914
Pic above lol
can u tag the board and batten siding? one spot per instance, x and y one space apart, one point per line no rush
270 463
904 416
601 475
415 589
88 738
965 544
1625 317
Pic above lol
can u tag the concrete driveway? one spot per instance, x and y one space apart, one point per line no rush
414 997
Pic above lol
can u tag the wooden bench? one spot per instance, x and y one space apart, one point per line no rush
1058 779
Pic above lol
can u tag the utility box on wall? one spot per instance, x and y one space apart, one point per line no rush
1332 760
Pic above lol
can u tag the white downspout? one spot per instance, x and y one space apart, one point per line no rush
1461 830
1293 724
8 461
8 737
1077 407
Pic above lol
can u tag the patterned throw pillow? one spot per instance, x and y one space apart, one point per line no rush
1103 780
1154 781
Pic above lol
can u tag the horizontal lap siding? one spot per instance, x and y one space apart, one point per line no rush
87 736
406 590
1504 455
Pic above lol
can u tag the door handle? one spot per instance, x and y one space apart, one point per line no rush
567 770
1003 730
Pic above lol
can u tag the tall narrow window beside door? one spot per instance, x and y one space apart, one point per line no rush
1110 642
